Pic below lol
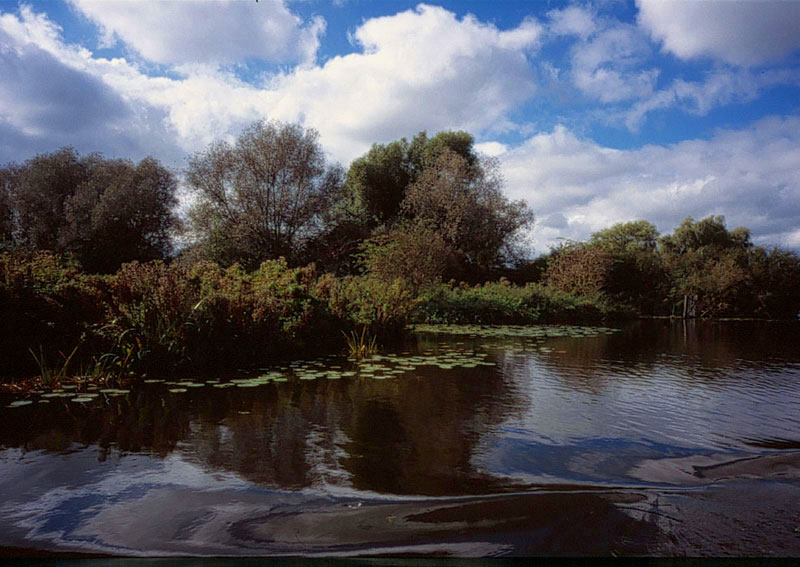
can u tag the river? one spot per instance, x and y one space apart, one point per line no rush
655 437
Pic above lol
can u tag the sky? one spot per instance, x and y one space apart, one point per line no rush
599 112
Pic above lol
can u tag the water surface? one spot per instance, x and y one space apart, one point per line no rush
659 438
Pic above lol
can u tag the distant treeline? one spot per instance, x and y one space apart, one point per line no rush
276 245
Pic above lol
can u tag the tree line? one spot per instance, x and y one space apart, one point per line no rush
427 210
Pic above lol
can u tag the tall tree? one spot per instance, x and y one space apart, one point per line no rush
465 204
636 274
266 196
122 212
378 180
6 210
104 212
707 264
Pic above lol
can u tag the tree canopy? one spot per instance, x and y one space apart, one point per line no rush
377 181
264 197
102 211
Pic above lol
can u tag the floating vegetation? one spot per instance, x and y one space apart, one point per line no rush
434 352
526 331
114 391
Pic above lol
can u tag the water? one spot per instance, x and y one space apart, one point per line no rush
659 438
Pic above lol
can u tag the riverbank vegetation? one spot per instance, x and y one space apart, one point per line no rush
278 253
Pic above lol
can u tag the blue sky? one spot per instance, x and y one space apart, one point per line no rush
599 112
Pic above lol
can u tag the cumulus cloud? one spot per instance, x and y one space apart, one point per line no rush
572 20
748 175
46 103
222 31
419 69
717 89
741 33
607 60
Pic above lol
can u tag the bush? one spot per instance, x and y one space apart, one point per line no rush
366 301
204 316
503 303
46 302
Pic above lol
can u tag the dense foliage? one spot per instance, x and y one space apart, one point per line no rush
702 269
264 197
103 212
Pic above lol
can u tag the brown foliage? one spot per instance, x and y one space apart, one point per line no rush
579 268
464 203
263 198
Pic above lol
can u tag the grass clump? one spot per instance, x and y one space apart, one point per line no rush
361 346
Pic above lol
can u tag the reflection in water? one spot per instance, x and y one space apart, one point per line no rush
657 408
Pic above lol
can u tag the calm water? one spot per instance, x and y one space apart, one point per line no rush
658 438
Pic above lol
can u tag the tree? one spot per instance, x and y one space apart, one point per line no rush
464 203
6 210
707 264
775 283
103 212
39 191
377 181
578 268
264 197
636 276
122 212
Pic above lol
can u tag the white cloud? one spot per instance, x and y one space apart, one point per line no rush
492 149
222 31
572 20
719 88
748 175
419 69
608 65
742 33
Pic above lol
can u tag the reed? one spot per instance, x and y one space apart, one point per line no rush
360 346
51 376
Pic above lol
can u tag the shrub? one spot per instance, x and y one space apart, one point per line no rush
502 303
579 269
204 316
366 301
412 252
48 306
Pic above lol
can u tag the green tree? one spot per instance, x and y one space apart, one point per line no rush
707 265
377 181
103 212
6 210
636 275
265 197
122 212
39 190
775 283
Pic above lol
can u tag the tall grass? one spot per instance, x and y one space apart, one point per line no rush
361 346
52 375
